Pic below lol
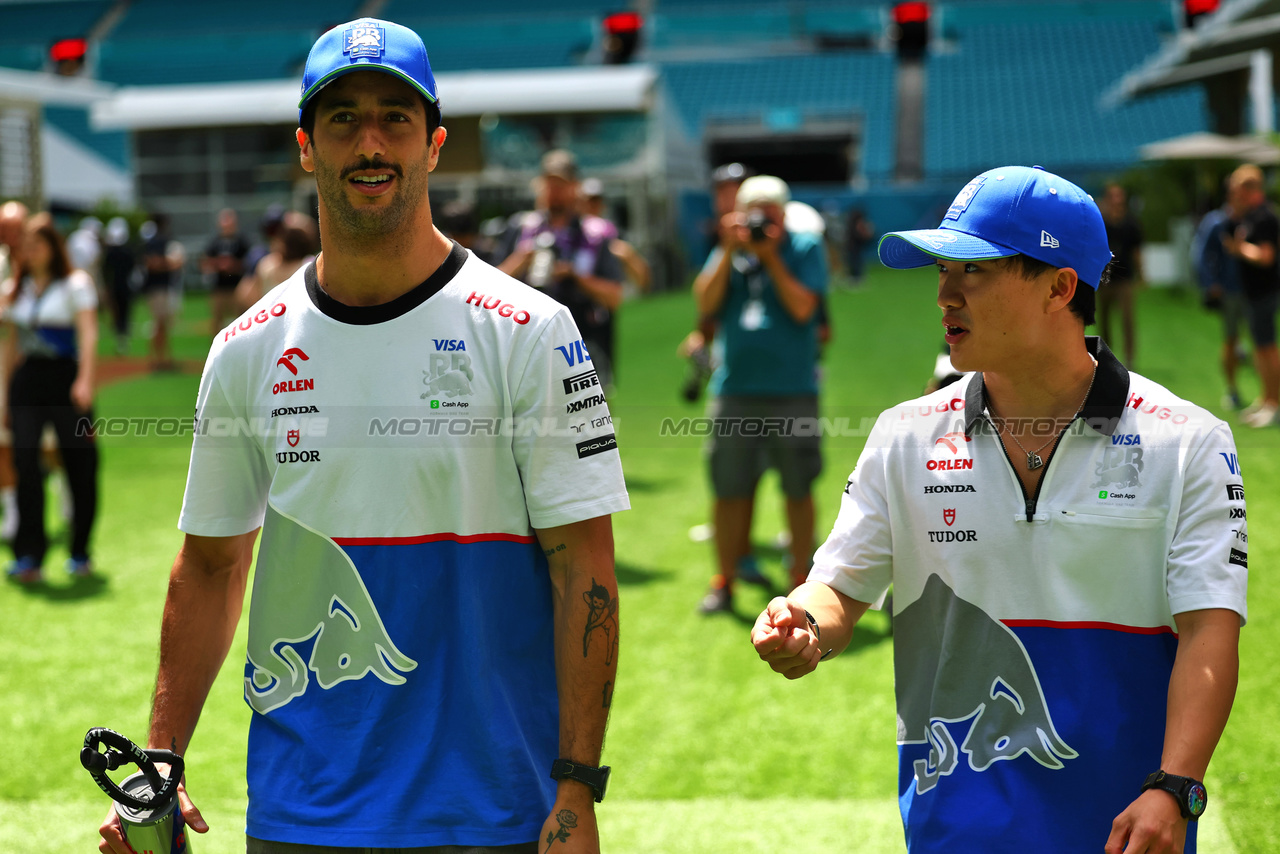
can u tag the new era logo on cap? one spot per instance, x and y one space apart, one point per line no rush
364 40
1048 240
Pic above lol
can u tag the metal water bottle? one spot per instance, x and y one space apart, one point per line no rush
146 802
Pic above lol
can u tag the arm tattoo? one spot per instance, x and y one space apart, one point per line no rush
602 613
608 694
567 819
550 552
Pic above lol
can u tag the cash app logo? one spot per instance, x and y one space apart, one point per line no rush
435 404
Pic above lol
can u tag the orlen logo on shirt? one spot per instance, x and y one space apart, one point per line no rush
947 453
286 361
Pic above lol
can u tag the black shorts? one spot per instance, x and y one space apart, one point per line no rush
1261 312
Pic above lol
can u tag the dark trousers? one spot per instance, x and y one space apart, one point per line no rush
40 394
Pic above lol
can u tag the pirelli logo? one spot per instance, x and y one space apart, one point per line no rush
580 382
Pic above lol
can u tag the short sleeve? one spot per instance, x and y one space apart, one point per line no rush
1209 555
84 296
811 264
857 557
228 481
564 442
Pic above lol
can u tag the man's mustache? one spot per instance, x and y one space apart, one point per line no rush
366 163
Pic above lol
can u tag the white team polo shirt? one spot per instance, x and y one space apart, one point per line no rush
1034 635
401 661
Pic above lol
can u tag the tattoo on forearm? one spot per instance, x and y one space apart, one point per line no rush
566 819
173 744
608 694
549 552
602 614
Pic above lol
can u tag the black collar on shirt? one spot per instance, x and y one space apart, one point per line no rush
364 315
1102 408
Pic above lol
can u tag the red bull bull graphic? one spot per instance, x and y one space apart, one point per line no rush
330 608
990 693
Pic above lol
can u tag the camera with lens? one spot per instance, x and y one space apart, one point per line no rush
756 221
545 255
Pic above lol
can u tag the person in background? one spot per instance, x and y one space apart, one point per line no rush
763 285
1218 273
51 360
1252 241
162 262
555 250
268 226
458 221
1124 236
858 234
117 274
84 246
292 248
13 228
223 264
633 263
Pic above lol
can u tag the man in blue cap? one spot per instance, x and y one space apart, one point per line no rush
1067 546
433 631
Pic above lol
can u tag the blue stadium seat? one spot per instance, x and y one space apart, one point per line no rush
27 30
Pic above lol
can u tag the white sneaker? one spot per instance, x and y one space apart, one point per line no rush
1265 416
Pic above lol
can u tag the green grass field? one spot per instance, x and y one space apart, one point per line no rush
711 751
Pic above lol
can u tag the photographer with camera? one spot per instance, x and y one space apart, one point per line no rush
567 256
763 284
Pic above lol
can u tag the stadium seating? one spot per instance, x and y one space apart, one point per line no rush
987 104
27 30
848 84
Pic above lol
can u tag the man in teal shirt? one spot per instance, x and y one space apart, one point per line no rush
764 285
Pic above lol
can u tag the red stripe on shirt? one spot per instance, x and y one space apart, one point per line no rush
1113 627
435 538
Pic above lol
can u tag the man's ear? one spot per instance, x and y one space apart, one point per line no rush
305 154
1063 288
437 142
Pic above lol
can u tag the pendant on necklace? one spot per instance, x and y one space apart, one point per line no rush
1033 461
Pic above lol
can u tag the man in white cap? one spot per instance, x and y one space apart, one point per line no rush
433 630
1067 546
764 284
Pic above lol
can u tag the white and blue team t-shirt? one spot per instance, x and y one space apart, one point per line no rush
46 321
398 457
1034 636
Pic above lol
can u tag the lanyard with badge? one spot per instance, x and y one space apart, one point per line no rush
753 315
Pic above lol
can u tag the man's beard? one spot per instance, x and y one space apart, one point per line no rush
370 222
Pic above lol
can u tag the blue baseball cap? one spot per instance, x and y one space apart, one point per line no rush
1013 210
368 44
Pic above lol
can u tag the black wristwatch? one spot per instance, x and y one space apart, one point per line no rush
597 779
1190 794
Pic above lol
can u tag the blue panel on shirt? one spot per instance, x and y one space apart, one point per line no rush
482 697
1106 693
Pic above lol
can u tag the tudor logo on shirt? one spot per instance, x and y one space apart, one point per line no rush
949 519
293 437
947 453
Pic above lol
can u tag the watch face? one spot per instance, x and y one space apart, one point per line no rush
1197 798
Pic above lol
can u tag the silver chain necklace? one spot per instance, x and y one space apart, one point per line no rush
1034 460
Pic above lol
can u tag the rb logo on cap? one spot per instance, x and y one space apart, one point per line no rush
364 40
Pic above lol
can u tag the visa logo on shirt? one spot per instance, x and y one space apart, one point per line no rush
1126 439
1232 461
575 353
449 344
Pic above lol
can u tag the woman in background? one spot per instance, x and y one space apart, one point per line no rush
51 357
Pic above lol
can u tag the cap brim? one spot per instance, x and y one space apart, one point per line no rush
903 250
363 66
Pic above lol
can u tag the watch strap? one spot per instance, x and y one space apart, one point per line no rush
1190 793
596 779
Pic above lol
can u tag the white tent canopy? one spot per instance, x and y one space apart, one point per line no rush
1212 146
563 90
